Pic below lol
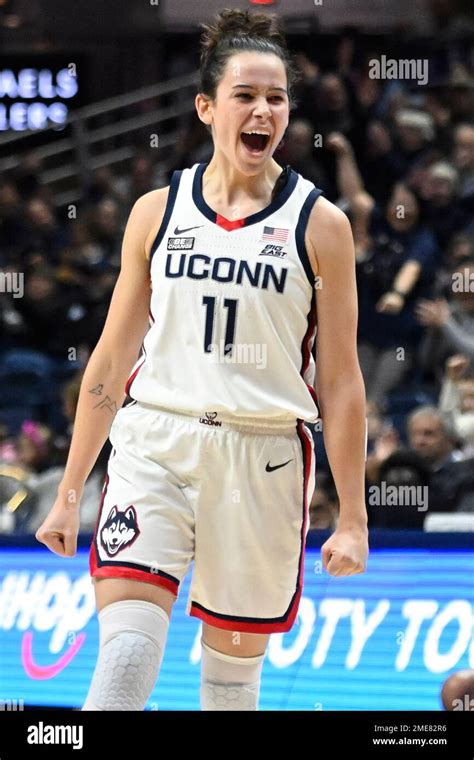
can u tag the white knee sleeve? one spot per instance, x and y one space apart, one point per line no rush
132 641
228 682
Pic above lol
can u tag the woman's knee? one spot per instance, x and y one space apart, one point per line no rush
132 640
230 679
235 642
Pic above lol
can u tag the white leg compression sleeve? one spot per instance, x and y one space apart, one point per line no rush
132 641
228 682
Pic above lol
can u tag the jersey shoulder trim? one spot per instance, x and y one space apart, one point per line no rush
300 232
171 200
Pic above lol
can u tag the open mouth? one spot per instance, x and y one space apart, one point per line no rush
255 143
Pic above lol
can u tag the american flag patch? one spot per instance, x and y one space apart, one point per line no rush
275 234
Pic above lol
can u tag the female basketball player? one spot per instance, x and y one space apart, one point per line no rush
211 460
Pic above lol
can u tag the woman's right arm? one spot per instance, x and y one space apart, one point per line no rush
102 391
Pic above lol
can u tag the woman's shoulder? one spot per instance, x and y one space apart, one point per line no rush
152 199
328 233
326 217
146 217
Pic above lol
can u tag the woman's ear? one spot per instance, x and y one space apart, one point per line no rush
203 108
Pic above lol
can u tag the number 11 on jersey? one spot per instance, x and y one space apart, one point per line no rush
210 305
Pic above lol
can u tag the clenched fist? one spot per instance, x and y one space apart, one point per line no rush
60 528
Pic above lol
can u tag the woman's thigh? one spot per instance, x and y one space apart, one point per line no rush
110 590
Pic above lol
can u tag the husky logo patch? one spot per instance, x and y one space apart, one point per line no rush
119 530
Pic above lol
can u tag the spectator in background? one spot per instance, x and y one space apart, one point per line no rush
43 230
404 473
414 135
326 101
463 159
458 691
379 174
26 462
382 441
458 94
451 476
53 319
459 252
306 86
105 228
441 209
431 436
30 449
299 152
451 324
461 249
333 112
456 401
143 176
34 446
395 270
392 154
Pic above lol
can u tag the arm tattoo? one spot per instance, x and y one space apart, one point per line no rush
108 403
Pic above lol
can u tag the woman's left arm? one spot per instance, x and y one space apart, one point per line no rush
339 383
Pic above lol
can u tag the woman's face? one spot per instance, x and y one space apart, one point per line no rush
28 453
402 209
262 104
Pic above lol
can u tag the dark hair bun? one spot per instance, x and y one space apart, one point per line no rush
232 22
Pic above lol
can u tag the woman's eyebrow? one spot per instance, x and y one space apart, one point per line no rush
271 87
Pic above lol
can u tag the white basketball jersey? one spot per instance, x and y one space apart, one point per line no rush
232 311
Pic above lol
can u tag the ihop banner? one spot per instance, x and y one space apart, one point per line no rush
384 640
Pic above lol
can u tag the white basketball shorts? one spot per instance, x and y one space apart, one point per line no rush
229 496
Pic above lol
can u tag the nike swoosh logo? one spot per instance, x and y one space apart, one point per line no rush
186 229
269 468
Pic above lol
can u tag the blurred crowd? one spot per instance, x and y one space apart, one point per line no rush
398 158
